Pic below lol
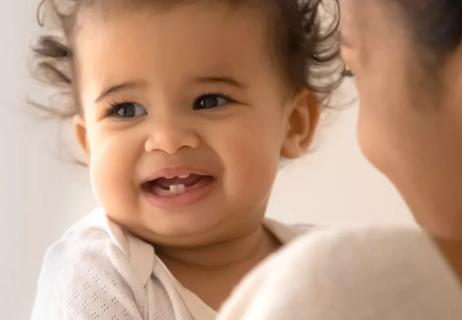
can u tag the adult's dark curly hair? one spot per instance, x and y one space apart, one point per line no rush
305 37
435 24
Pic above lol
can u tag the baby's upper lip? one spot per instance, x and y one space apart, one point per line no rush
173 172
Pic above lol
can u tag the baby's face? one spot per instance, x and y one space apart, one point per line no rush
184 118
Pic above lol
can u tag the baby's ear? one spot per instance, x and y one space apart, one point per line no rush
80 131
302 121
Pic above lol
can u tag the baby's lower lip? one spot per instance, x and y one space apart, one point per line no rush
165 199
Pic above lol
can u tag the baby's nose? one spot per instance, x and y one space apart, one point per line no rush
170 137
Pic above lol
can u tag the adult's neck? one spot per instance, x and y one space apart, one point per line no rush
452 250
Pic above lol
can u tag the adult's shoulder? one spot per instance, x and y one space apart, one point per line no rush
360 273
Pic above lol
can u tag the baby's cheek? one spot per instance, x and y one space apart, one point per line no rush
253 163
112 176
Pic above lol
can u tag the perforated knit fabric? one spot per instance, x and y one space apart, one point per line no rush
96 271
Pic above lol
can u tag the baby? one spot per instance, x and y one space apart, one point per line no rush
183 110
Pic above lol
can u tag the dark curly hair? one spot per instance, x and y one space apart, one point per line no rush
436 25
306 46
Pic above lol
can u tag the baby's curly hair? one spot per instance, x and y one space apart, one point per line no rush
307 46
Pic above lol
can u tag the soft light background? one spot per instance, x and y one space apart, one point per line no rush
41 195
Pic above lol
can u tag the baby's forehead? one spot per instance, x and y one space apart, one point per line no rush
196 13
209 29
172 47
252 24
107 8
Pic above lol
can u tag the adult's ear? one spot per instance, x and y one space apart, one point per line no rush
303 120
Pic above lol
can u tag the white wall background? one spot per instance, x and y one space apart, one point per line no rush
40 195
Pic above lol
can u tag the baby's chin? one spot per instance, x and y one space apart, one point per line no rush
184 232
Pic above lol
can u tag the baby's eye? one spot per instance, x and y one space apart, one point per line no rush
210 101
127 110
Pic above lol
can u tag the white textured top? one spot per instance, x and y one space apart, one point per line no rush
372 273
99 271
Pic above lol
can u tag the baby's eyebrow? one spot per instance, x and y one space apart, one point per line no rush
220 80
120 87
142 83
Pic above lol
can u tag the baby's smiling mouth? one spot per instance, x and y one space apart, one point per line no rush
175 186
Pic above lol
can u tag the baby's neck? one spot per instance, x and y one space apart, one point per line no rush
211 272
252 246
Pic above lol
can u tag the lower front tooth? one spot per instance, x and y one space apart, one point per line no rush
177 188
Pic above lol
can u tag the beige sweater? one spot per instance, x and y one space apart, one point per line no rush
369 273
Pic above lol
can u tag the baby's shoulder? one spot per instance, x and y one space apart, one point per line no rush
95 265
96 243
87 242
